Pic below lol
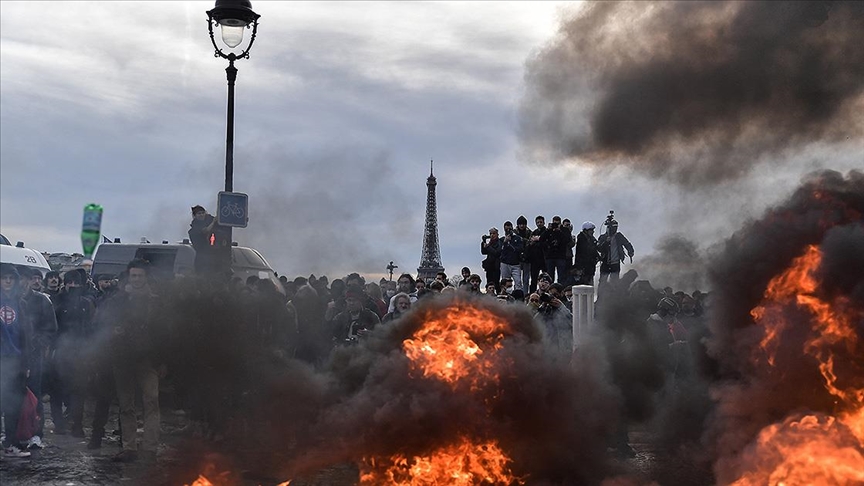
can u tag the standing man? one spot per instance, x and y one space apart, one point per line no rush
612 245
40 311
534 251
556 241
52 283
524 264
200 234
511 256
585 256
491 247
131 317
356 319
14 356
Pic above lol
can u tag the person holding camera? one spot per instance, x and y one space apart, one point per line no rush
554 318
511 256
556 241
491 247
534 252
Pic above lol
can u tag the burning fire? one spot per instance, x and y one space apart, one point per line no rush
814 448
463 463
452 345
456 345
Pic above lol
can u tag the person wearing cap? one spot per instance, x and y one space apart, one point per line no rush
356 319
611 246
15 346
491 247
585 256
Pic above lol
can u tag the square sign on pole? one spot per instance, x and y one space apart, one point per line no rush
233 209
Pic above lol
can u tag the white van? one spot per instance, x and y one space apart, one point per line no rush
22 257
170 260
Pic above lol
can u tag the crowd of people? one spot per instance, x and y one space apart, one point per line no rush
77 338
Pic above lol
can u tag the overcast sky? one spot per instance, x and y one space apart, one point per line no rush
338 112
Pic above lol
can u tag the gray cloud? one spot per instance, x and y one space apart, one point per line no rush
695 92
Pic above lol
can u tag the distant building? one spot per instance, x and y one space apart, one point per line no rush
430 260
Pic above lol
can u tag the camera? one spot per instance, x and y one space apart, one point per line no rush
545 298
485 237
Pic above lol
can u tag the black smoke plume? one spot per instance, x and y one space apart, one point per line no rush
828 211
695 92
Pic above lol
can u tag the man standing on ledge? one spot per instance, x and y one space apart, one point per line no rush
612 245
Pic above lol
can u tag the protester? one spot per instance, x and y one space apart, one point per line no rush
585 255
556 240
402 303
15 347
534 251
52 283
132 318
524 264
201 235
511 256
491 247
611 246
40 310
350 324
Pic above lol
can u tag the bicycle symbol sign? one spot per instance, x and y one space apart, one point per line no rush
233 209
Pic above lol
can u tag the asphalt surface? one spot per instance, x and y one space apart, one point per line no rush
66 461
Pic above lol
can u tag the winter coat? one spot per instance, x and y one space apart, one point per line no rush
534 253
16 332
42 317
511 251
492 250
555 243
586 255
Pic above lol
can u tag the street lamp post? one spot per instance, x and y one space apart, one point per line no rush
233 17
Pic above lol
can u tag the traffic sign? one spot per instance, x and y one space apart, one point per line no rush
233 209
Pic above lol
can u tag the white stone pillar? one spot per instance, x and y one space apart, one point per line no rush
583 313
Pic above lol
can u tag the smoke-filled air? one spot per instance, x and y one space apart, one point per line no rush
695 92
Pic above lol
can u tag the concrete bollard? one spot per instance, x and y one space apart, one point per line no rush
583 313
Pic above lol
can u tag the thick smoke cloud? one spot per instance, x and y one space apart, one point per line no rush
828 211
553 419
695 92
676 262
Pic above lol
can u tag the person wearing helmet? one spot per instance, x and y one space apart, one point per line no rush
586 255
612 245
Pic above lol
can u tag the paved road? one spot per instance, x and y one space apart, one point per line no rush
66 461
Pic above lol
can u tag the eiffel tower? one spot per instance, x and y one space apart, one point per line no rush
430 260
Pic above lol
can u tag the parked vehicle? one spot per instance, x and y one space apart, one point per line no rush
170 260
20 256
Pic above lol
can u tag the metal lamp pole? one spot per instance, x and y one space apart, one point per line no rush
233 18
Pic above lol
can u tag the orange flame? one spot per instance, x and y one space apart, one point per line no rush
813 449
201 481
451 345
456 345
463 463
